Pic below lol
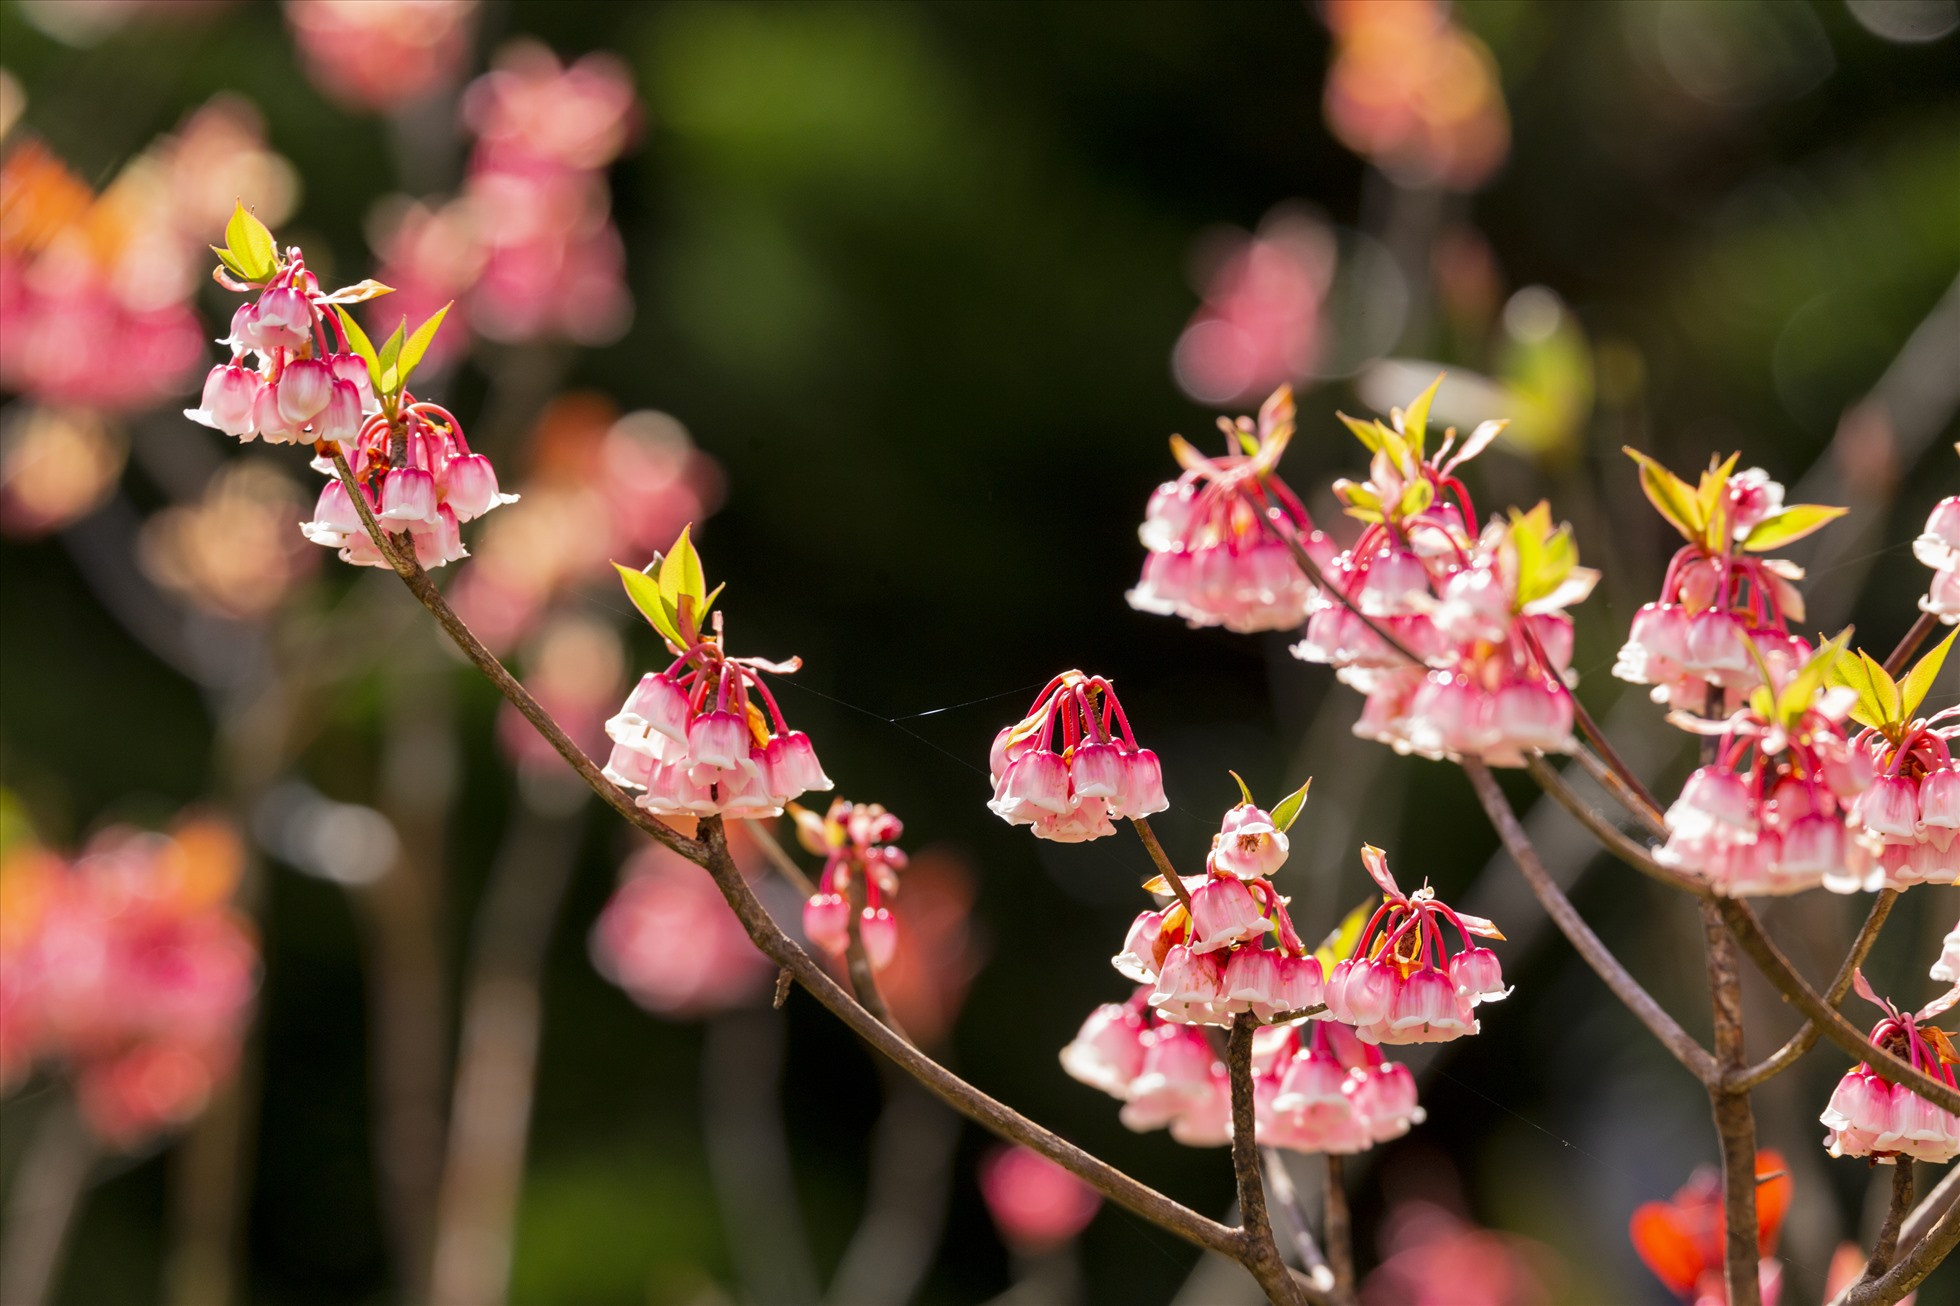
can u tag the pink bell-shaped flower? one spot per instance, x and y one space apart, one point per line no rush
340 420
408 494
304 389
230 393
827 922
282 319
1478 976
1107 1052
1224 912
1143 786
1096 771
878 929
1248 844
716 741
1176 1077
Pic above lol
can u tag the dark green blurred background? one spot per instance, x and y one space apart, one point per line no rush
912 273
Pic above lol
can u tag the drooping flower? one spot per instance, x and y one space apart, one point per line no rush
1402 984
1948 966
1939 548
1719 598
854 839
1870 1116
314 378
1780 809
1334 1093
1036 1204
1683 1240
1100 773
705 736
1212 558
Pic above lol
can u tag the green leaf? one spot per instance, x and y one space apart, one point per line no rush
1369 433
232 265
251 244
389 359
418 344
1919 681
1793 523
1878 696
1244 792
358 341
1339 945
1804 685
680 572
701 613
1671 496
1415 421
1289 807
1416 497
645 593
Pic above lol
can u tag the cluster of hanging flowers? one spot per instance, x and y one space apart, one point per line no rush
1777 809
855 840
1910 814
1099 772
1205 954
1719 601
1213 559
705 736
1939 548
1403 985
1316 1087
1482 614
303 372
1872 1117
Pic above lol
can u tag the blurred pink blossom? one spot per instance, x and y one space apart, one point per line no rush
668 938
1036 1205
1260 323
131 970
1434 1257
379 55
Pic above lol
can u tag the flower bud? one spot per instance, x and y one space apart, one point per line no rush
827 922
878 930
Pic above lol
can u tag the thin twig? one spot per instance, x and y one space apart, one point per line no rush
1261 1254
1806 1038
1627 989
1920 631
1777 970
424 589
1163 861
1887 1247
1635 801
1912 1268
1336 1230
1931 1207
46 1192
1612 770
1735 1122
1615 840
711 852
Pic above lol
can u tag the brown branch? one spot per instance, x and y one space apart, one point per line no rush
1912 1268
1588 945
1920 631
1612 772
1806 1038
1777 970
1261 1253
1336 1230
1887 1247
1611 836
47 1191
1735 1122
424 589
1934 1205
1163 861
